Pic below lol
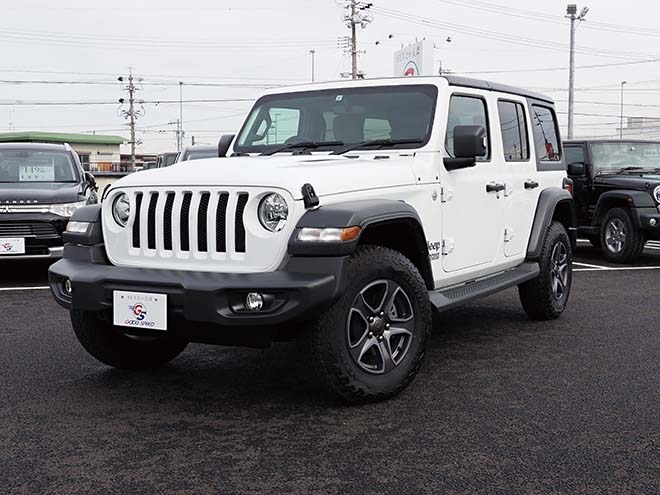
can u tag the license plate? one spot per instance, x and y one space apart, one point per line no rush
12 245
139 310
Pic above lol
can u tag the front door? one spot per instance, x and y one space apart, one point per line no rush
472 208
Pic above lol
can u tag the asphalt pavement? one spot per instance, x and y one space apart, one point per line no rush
502 405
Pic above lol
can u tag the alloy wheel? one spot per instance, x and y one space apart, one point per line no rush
559 270
615 235
380 326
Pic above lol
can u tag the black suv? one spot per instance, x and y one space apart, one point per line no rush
41 186
617 194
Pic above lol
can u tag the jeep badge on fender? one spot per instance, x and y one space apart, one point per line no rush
323 225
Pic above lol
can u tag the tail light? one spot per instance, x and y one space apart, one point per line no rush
568 185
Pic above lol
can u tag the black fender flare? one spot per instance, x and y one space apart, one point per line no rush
549 200
632 198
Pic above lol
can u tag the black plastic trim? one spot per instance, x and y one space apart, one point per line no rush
90 214
545 210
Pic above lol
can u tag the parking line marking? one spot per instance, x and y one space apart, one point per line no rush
613 269
6 289
590 266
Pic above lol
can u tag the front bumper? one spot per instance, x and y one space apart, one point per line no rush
649 221
44 253
303 287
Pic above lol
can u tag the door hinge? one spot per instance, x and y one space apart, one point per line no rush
446 193
508 234
508 190
447 246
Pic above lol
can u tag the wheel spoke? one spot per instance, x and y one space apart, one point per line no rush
361 353
376 295
386 355
356 319
399 308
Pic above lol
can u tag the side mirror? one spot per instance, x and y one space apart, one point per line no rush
224 144
576 169
89 178
470 141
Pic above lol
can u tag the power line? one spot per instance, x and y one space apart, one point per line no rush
146 102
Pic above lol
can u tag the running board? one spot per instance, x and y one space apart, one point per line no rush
448 298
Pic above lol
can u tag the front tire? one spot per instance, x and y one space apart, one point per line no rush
545 297
621 241
370 344
111 346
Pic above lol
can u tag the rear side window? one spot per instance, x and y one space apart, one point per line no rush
514 131
546 142
466 110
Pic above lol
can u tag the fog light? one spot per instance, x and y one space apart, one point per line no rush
652 222
66 286
254 301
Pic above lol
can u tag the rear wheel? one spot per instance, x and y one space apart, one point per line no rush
545 297
621 240
110 345
369 345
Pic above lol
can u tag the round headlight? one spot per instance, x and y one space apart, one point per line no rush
656 194
273 212
121 209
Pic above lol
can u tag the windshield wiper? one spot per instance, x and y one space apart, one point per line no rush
625 170
302 145
376 142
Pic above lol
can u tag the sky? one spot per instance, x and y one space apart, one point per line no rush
227 51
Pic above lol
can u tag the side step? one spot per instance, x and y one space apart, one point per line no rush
454 296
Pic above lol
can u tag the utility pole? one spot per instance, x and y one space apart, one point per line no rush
571 12
131 114
357 15
182 134
312 52
623 83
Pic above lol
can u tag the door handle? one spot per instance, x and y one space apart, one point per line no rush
495 187
531 184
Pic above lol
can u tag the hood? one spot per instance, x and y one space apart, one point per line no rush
327 174
40 192
641 181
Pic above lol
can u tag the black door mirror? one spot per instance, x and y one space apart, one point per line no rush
576 169
470 141
89 178
224 144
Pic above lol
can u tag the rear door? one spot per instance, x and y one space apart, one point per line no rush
472 217
522 190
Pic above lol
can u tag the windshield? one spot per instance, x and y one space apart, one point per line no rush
345 115
36 166
199 154
612 157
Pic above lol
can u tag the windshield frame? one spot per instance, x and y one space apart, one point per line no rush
600 170
431 89
77 173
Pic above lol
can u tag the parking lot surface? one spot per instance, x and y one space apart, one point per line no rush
503 405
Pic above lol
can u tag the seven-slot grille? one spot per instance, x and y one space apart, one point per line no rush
10 229
189 221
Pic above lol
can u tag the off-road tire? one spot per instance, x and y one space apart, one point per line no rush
111 346
634 237
326 343
537 296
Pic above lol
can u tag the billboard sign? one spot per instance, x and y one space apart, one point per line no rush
414 60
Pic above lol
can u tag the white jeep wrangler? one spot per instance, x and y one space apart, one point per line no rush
341 215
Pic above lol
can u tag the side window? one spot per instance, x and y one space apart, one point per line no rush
546 141
466 110
574 154
514 131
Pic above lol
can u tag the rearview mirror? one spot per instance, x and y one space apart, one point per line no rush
224 144
470 141
576 169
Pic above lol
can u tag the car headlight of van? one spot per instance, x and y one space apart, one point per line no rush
273 212
121 209
656 194
66 209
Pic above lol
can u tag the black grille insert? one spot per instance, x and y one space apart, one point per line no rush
240 226
151 221
167 222
202 244
220 224
185 222
136 222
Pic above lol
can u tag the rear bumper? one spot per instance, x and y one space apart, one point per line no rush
303 287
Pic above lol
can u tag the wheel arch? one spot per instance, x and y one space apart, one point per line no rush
622 199
554 204
383 222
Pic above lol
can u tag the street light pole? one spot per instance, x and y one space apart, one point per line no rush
312 52
623 83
